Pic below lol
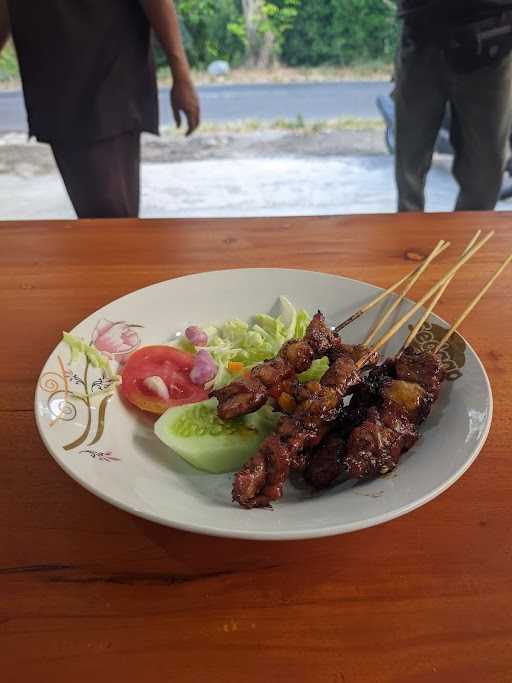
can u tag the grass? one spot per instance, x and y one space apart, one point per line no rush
375 70
298 125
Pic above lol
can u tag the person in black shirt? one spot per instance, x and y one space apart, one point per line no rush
456 53
90 89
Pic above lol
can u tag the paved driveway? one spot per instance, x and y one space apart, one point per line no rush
246 187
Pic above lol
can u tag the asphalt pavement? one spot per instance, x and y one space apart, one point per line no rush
312 101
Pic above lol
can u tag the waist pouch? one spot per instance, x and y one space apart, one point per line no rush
476 45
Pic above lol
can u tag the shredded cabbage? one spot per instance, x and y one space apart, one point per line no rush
238 341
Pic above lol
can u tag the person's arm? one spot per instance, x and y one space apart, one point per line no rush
5 25
164 21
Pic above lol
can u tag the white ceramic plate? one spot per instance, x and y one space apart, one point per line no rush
112 452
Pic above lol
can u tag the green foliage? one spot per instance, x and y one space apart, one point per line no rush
8 64
209 33
273 18
341 32
278 18
305 32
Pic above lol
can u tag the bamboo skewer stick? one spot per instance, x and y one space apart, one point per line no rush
472 305
363 360
381 296
434 302
438 249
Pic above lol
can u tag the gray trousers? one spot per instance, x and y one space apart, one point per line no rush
481 110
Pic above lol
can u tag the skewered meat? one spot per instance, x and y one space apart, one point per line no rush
241 397
272 372
390 428
416 400
261 480
374 448
327 462
320 337
421 367
380 422
358 351
277 376
323 468
294 357
298 354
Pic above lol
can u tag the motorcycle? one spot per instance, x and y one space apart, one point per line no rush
386 106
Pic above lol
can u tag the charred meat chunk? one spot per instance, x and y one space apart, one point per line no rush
422 367
326 462
358 351
298 354
394 416
374 448
240 398
261 480
341 375
272 372
272 376
410 396
255 484
320 337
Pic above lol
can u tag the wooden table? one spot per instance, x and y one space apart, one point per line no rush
90 593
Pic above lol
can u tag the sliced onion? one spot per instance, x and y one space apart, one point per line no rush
204 369
157 386
196 335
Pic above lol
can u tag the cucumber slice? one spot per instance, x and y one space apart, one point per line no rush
196 432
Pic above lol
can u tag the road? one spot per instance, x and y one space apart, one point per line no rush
313 101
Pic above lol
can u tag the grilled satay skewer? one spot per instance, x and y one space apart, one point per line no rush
246 395
326 463
402 403
375 447
262 479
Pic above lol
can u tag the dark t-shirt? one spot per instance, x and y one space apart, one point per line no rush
86 67
449 11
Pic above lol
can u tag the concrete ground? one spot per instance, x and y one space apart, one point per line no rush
264 173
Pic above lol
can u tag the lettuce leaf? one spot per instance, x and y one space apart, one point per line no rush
316 371
239 341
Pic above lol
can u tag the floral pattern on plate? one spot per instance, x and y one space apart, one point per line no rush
83 386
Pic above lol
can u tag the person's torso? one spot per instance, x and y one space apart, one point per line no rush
439 12
86 66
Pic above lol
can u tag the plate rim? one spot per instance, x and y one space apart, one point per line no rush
270 535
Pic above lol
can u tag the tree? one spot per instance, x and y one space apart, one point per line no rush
264 27
341 32
297 32
206 33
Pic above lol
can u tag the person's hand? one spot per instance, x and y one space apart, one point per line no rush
184 99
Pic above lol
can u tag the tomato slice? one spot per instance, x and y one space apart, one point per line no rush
173 366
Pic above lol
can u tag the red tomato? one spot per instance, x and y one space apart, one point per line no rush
173 366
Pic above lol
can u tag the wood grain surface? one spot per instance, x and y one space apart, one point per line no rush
90 593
